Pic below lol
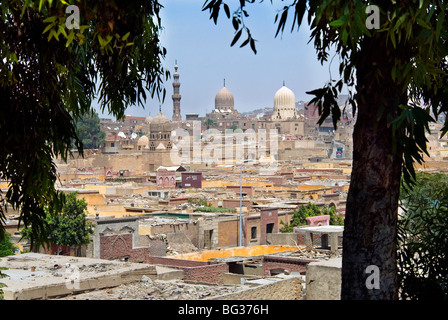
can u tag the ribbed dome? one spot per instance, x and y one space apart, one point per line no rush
160 118
148 120
224 99
284 98
143 141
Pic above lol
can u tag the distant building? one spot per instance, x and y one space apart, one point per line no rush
224 105
192 179
284 105
165 179
112 143
176 96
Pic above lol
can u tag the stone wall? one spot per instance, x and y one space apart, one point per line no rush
228 233
323 280
208 233
278 263
281 288
189 229
288 239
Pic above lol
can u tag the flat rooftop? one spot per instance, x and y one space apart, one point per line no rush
234 252
42 276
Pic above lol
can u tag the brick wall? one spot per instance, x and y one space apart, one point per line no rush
233 204
210 274
201 271
268 216
165 179
114 246
285 263
119 245
247 190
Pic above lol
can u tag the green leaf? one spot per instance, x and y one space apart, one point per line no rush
237 36
422 23
344 36
399 22
227 10
392 38
125 36
100 39
50 19
440 19
70 38
41 3
337 23
51 25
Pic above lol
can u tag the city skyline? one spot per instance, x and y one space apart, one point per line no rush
205 58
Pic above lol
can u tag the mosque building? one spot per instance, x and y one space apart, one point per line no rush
224 105
176 96
284 105
156 145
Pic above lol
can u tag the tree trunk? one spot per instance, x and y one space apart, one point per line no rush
370 236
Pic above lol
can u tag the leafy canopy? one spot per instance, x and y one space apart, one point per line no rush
50 74
6 246
310 210
423 238
89 131
70 227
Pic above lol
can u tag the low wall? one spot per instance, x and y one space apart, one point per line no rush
195 270
285 239
291 264
286 287
323 280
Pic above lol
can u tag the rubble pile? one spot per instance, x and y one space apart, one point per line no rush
148 289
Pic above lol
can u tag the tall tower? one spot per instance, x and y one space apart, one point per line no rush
176 96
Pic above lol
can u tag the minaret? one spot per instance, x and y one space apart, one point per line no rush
176 96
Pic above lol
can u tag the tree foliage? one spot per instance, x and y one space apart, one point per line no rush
6 246
423 239
209 122
49 76
310 210
89 131
70 227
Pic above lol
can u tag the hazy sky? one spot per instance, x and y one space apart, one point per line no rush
205 58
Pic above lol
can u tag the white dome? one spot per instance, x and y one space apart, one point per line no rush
284 98
284 104
224 99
